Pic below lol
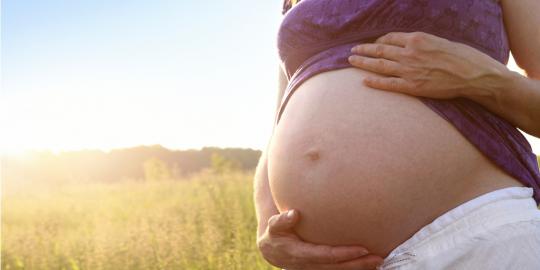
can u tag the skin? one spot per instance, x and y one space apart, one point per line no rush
423 65
283 248
426 65
276 239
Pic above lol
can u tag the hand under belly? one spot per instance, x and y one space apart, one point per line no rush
370 167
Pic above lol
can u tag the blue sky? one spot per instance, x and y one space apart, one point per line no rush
106 74
102 74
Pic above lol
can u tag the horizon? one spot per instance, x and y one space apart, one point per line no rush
108 75
107 151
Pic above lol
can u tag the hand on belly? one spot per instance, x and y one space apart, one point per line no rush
364 166
283 248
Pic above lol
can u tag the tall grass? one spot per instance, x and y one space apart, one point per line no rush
204 222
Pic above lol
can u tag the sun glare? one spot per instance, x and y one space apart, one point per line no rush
56 121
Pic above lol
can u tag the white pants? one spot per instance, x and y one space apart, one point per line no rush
498 230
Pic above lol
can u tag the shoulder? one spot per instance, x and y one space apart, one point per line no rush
288 4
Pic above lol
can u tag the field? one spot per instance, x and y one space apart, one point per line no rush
204 222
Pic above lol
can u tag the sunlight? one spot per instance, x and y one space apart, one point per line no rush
93 118
513 66
53 121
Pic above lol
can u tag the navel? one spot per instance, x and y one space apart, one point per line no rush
313 155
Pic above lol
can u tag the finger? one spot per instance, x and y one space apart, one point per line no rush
313 253
283 222
391 84
378 51
368 262
377 65
394 38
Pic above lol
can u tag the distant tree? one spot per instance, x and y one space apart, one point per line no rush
156 169
221 164
125 163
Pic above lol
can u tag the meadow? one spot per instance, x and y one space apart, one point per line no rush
202 221
205 221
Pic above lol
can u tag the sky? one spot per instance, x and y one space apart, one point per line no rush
107 74
79 74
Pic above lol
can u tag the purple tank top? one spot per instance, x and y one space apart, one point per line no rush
317 35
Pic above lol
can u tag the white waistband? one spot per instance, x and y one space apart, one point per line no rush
498 207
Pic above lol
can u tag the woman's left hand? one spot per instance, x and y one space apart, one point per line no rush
422 64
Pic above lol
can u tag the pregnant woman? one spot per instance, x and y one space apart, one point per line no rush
424 183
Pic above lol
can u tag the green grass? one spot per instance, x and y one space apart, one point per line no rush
205 222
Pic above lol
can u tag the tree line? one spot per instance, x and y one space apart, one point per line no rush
135 163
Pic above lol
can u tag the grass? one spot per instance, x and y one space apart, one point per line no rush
204 222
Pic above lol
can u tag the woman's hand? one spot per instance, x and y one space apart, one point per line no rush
281 247
422 64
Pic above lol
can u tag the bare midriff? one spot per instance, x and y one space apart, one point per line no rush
370 167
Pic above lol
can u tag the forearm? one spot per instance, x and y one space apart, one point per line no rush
264 202
265 206
512 96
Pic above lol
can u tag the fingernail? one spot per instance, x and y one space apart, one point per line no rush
290 213
353 49
363 252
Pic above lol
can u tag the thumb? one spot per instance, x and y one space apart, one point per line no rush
283 222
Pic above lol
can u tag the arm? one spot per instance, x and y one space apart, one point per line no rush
515 97
522 24
512 96
507 93
422 64
264 203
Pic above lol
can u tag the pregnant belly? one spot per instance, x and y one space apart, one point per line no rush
370 167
